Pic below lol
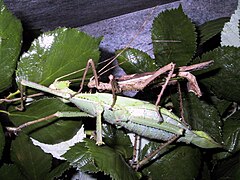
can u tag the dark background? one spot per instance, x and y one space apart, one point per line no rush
112 19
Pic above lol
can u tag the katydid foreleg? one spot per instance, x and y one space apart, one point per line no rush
90 63
114 89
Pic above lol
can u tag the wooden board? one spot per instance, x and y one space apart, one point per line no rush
49 14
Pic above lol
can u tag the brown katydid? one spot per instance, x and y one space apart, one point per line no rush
140 81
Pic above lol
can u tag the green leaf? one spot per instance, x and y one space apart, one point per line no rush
228 168
220 104
136 61
211 28
174 38
115 164
2 140
202 116
231 136
57 53
118 140
51 131
105 158
80 157
58 171
30 159
231 132
206 172
10 45
183 162
10 172
223 75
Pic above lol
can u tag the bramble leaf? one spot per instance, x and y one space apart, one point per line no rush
80 157
31 160
118 140
183 162
174 38
50 131
10 45
211 28
57 53
228 168
231 136
10 172
202 116
136 61
223 75
87 156
58 171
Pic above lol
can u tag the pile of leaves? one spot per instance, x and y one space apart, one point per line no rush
64 50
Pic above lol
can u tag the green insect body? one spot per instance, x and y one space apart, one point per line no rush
137 116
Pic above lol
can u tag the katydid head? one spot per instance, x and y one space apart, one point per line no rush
60 85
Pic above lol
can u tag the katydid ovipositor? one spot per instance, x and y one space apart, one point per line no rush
137 116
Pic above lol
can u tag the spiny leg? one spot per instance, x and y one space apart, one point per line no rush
151 155
160 71
90 63
165 84
162 90
58 114
115 89
181 103
113 82
169 67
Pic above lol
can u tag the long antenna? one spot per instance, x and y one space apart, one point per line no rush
101 71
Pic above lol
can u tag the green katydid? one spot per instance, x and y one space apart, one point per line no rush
137 116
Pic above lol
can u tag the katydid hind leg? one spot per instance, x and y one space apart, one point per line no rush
149 157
